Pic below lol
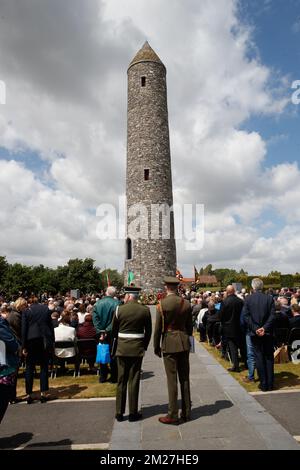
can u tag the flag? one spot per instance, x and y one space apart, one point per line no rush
130 278
196 274
178 274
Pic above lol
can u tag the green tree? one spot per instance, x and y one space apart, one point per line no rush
221 273
3 266
275 274
287 280
208 269
3 269
231 276
243 273
18 278
45 279
83 275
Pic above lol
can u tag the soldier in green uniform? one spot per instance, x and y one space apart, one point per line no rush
132 327
171 338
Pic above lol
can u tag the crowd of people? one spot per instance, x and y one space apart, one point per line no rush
223 319
31 327
242 325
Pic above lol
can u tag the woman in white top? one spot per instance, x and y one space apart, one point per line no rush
65 332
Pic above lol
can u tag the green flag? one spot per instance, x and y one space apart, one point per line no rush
130 278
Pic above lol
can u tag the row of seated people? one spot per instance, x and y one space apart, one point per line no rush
72 344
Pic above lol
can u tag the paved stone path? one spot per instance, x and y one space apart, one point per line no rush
224 415
59 424
284 406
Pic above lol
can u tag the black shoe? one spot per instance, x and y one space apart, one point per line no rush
119 417
102 380
29 400
135 416
185 418
263 389
45 398
15 400
233 369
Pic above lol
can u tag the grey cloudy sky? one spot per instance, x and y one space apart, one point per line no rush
63 129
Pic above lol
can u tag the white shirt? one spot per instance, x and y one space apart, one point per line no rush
200 316
64 333
80 317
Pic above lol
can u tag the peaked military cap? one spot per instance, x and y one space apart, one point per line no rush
132 289
171 280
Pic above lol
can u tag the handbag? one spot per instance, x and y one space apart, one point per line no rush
103 354
281 355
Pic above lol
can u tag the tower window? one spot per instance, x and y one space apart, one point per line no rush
146 174
143 81
128 249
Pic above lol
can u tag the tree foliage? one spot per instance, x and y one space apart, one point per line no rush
208 270
76 274
226 276
3 267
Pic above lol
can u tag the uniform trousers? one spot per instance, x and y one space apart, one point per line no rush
177 364
129 371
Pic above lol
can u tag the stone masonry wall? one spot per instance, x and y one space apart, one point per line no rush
148 147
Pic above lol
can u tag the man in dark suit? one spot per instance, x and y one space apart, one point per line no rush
230 316
37 345
174 326
132 327
259 314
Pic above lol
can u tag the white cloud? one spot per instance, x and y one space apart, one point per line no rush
296 26
64 64
42 225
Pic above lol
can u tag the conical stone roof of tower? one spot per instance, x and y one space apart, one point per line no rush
145 54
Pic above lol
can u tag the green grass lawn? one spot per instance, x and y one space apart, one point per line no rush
287 376
67 386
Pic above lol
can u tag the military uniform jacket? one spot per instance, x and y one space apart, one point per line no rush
173 325
132 327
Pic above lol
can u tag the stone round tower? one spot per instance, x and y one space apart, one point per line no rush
151 254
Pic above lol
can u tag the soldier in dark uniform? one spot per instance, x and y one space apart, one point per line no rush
174 326
132 327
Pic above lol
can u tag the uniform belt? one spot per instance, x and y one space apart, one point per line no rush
131 335
172 329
